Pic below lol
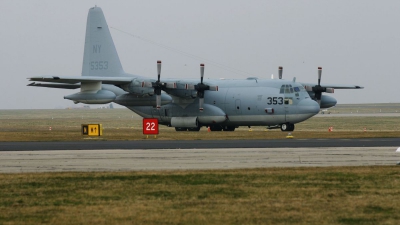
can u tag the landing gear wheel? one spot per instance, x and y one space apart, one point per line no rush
287 127
180 128
215 128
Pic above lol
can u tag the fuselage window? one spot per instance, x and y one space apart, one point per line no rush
282 91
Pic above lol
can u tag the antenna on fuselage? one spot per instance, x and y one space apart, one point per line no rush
280 70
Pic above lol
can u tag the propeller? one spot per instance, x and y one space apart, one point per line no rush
201 88
158 86
280 70
317 89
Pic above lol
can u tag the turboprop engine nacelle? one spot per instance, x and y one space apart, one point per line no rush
138 88
135 100
92 97
327 102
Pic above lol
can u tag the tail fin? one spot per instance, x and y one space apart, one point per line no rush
100 57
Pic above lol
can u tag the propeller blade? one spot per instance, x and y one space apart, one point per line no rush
158 101
201 72
159 69
201 102
280 70
319 75
158 86
213 88
330 90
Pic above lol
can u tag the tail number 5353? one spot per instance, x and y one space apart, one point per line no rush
99 65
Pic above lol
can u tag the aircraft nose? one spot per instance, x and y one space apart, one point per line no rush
308 106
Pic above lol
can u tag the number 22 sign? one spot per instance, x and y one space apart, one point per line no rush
150 126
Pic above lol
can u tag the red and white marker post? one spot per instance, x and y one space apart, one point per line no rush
150 127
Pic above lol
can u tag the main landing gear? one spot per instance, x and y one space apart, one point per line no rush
287 127
221 128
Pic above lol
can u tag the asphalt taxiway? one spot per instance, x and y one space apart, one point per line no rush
199 144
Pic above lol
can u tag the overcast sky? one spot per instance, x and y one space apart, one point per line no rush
356 42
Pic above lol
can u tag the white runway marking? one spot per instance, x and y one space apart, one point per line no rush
168 159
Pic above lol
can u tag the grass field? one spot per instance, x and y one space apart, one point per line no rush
331 195
122 124
335 195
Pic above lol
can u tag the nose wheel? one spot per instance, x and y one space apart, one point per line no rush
287 127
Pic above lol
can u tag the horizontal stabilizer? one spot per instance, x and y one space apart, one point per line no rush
79 79
50 85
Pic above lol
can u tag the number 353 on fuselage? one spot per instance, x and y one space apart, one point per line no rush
188 104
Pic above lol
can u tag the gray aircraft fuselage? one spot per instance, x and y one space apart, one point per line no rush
249 102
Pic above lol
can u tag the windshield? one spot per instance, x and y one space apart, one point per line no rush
288 89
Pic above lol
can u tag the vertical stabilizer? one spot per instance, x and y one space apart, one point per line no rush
100 57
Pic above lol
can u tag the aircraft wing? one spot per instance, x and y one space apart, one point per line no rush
334 86
80 79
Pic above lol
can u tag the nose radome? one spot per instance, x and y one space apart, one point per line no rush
308 106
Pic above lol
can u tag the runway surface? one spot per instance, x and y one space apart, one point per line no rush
187 159
150 154
199 144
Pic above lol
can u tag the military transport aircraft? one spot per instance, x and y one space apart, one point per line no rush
188 104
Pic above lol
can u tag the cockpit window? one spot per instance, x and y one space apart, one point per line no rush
286 89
